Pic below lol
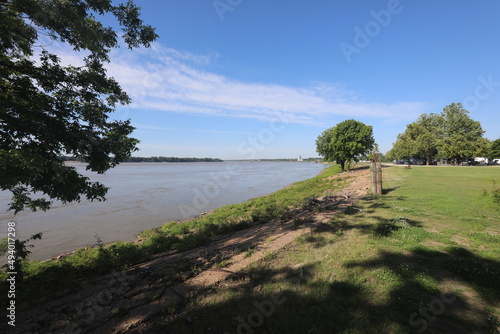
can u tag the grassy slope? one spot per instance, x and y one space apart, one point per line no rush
424 258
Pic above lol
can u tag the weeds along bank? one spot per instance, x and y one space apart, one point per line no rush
42 278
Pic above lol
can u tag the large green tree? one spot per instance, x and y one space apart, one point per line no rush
345 141
48 110
420 138
495 149
451 134
462 137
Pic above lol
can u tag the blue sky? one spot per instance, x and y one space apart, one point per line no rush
240 79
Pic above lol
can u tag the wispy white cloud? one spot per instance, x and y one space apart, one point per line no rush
175 81
187 56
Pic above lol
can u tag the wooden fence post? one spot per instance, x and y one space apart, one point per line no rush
376 176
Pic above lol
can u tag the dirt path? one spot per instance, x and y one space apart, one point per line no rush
125 301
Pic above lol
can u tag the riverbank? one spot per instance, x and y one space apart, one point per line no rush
144 291
414 260
43 278
146 195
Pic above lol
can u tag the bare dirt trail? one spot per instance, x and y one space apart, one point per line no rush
125 301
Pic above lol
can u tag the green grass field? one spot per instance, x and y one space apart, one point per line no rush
423 258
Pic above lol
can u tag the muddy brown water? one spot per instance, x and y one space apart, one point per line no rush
146 195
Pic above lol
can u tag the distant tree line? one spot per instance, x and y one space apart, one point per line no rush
172 159
380 157
70 158
451 135
289 160
153 159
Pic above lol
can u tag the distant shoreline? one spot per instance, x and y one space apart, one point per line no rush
71 159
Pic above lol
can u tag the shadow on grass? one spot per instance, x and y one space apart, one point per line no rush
372 204
358 168
296 301
302 305
383 228
302 299
422 297
386 191
386 227
434 310
315 241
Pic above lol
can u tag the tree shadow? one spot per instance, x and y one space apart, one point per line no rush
386 227
338 226
373 204
315 240
303 305
274 298
436 310
359 168
386 191
422 297
299 302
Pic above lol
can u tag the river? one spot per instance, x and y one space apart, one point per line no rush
146 195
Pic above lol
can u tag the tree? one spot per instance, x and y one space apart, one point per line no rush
49 110
401 149
391 155
451 134
345 141
495 149
462 137
420 139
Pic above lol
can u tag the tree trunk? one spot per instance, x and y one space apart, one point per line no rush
342 164
376 177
